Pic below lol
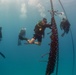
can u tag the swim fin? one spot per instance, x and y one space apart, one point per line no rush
19 42
2 55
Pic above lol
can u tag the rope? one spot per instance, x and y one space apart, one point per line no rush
53 55
73 52
54 46
72 40
63 8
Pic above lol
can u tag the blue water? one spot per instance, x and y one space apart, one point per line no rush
25 59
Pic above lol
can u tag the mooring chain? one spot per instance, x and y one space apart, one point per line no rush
53 49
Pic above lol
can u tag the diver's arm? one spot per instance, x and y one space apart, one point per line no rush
49 26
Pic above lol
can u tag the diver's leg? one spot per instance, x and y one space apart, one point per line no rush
39 38
63 34
22 38
37 43
25 39
31 41
19 42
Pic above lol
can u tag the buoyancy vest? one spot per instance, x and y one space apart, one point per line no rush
39 28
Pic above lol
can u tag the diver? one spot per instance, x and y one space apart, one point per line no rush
0 33
21 35
65 25
39 32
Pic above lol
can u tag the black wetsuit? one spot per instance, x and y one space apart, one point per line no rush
65 25
39 31
22 35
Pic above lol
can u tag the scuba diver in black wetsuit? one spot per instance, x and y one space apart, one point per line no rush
65 25
21 36
39 32
0 33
